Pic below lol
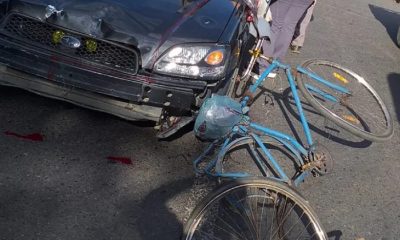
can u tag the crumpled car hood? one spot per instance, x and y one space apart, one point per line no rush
152 26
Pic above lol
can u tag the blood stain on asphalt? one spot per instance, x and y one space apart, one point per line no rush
37 137
123 160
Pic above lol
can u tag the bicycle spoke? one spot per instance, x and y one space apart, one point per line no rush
232 228
304 229
252 220
366 112
213 237
246 216
262 213
371 121
272 222
293 225
233 219
284 219
229 226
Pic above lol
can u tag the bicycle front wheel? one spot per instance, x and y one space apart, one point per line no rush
360 111
253 209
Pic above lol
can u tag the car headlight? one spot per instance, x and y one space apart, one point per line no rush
199 62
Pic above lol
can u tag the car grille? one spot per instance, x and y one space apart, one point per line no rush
101 52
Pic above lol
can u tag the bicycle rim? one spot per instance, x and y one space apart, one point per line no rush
361 111
253 209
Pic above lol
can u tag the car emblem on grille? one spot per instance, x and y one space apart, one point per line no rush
70 42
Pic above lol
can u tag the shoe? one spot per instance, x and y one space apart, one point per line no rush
295 48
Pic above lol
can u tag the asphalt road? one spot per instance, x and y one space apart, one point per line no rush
65 187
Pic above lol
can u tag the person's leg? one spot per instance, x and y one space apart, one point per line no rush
296 33
278 11
302 27
291 17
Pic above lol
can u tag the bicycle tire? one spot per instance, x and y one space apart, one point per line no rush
223 199
353 117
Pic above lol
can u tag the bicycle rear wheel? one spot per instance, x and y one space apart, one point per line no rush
253 209
361 111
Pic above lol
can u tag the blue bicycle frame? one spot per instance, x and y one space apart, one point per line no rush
289 142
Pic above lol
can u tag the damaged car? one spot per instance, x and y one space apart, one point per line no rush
140 60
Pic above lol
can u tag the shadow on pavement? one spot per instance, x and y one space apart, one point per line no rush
317 122
157 220
66 187
389 19
394 84
334 235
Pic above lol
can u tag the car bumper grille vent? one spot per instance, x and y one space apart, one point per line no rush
62 41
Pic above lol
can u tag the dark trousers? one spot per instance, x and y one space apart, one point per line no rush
285 16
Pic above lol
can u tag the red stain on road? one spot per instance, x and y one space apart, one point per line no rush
37 137
123 160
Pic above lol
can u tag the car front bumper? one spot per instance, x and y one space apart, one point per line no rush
74 80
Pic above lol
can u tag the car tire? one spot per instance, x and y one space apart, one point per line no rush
398 37
228 88
232 82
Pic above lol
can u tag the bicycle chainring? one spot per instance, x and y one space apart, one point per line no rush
321 160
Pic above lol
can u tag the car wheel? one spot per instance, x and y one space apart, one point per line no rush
231 89
229 86
398 37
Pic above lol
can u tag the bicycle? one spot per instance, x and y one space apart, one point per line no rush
227 122
239 131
